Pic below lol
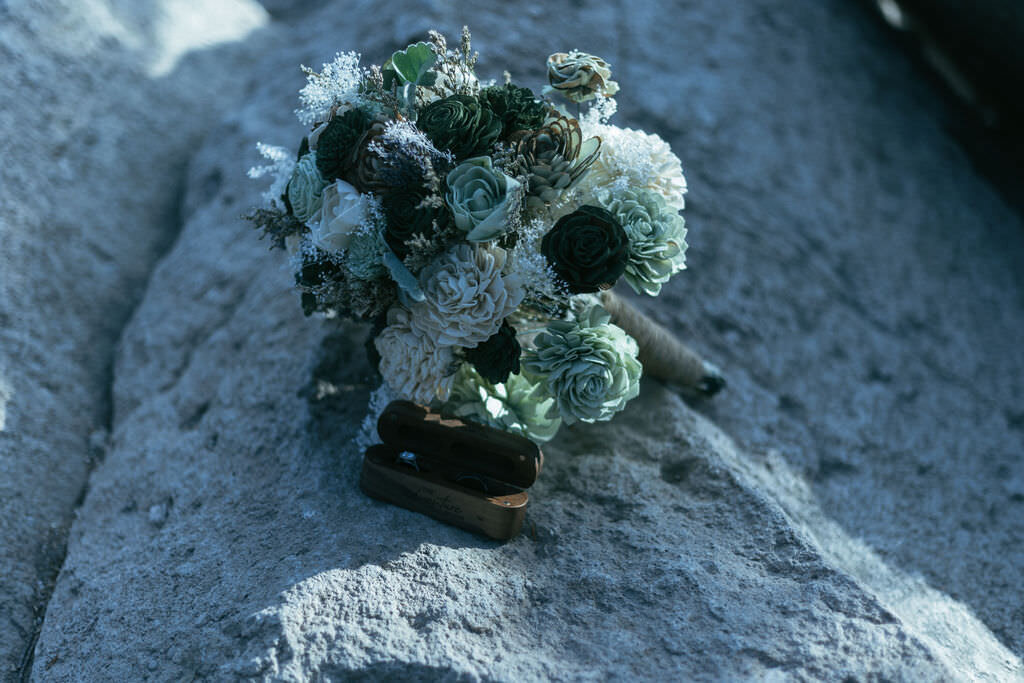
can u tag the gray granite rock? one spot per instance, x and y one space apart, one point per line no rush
855 513
101 105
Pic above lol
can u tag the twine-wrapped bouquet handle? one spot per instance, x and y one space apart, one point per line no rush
663 356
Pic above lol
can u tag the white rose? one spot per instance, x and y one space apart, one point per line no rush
343 212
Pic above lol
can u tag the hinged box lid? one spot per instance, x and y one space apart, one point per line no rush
459 445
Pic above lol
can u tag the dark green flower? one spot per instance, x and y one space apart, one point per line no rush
517 107
461 125
317 269
588 249
497 357
406 218
337 147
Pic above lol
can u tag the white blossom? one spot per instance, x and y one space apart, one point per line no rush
282 163
344 211
411 363
632 159
467 295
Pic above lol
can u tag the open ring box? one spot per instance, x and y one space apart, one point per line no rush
462 473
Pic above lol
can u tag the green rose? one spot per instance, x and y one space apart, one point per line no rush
587 248
589 366
657 238
517 108
461 125
478 196
306 188
580 76
518 405
497 357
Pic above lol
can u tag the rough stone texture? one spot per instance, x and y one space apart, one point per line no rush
100 109
863 517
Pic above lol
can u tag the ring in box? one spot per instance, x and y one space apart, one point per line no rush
459 472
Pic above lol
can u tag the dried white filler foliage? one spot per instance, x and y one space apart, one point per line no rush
282 163
337 84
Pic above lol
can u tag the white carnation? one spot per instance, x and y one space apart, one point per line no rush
632 159
467 295
413 366
343 212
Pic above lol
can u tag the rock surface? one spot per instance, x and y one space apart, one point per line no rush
855 513
102 103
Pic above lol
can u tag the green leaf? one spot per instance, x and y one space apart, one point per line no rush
405 280
413 64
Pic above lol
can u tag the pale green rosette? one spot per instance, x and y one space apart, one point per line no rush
306 188
518 405
366 254
479 196
589 366
657 238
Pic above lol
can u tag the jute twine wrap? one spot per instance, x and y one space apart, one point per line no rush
663 356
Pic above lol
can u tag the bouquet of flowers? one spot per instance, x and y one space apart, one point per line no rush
480 227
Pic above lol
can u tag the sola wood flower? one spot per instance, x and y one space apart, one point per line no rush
633 159
498 357
657 238
479 197
588 249
556 157
466 296
517 107
461 125
305 188
342 212
337 142
411 364
407 216
580 76
518 405
589 366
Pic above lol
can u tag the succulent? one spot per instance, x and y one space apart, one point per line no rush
479 197
411 65
461 125
589 366
580 76
556 158
517 108
338 144
587 248
497 357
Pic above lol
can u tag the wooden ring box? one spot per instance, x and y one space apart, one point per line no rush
463 473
